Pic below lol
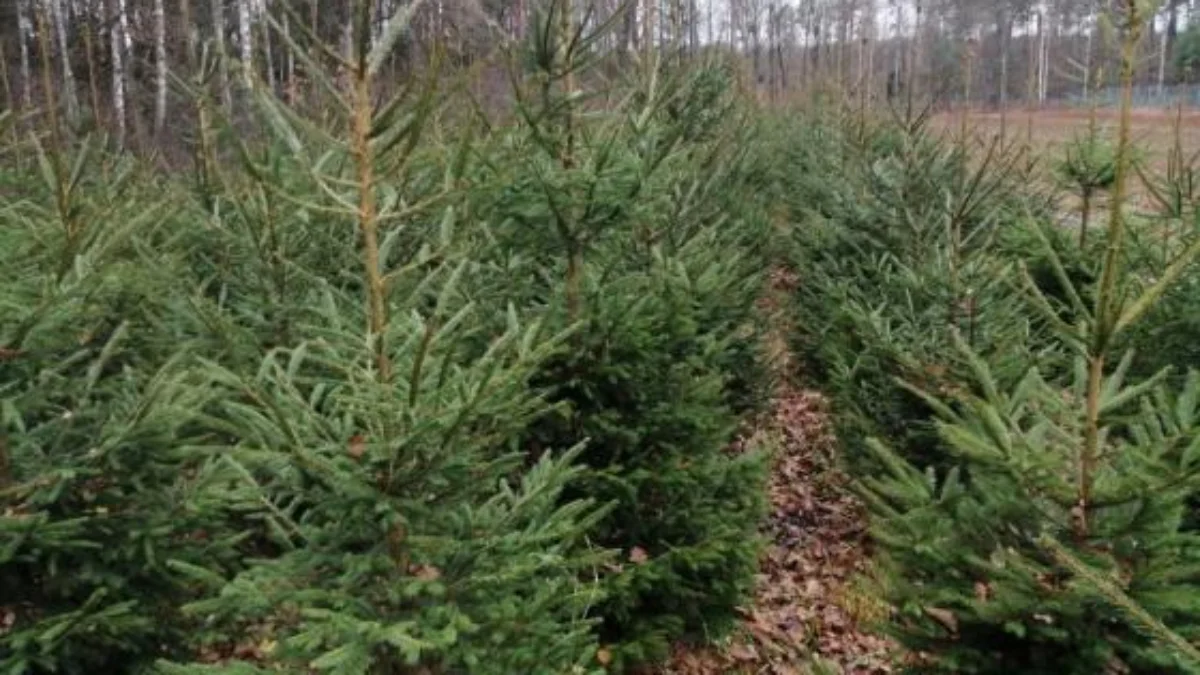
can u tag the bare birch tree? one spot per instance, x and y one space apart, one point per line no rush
23 28
219 31
58 15
246 41
160 75
116 21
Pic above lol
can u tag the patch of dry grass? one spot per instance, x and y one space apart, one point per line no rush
1047 130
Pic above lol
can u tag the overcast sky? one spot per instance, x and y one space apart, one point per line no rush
886 13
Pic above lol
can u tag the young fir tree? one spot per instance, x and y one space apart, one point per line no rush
1170 328
620 216
97 408
1088 167
373 482
1060 482
396 523
900 242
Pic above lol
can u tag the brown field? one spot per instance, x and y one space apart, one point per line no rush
1153 128
1153 133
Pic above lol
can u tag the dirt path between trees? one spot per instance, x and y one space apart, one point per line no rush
807 608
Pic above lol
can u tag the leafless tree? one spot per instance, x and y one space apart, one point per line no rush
987 52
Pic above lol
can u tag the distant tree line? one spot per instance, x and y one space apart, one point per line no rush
112 63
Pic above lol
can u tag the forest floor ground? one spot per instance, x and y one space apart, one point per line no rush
810 604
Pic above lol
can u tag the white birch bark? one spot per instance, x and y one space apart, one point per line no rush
68 83
289 69
246 41
897 32
266 37
1162 64
126 33
711 35
1087 63
118 68
160 75
190 32
218 21
915 63
1044 32
858 34
23 28
872 37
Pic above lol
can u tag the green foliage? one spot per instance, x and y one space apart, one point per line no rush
1088 163
1032 494
393 518
1168 334
1045 527
897 253
1088 166
402 526
965 546
1186 53
644 388
188 416
99 411
665 359
207 464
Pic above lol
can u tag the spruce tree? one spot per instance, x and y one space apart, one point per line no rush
396 523
359 399
372 452
1058 542
619 210
98 407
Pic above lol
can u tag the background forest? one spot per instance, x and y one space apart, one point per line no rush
553 337
114 60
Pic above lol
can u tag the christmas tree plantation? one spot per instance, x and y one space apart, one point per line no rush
355 398
1032 482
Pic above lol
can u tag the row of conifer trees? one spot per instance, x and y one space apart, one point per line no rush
407 386
399 388
1018 400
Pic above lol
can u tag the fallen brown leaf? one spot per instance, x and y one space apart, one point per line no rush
358 446
945 617
427 573
744 653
